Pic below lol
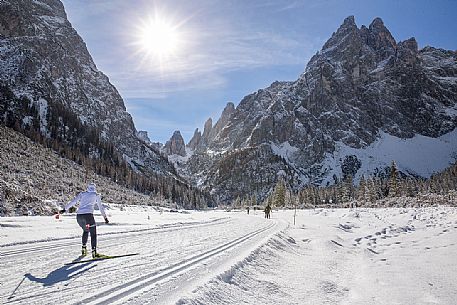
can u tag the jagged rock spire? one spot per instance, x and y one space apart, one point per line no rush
207 130
175 146
196 139
223 120
347 28
349 22
143 135
380 38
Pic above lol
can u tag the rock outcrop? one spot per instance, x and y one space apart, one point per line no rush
175 146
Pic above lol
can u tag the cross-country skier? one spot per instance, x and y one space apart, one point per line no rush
85 216
267 211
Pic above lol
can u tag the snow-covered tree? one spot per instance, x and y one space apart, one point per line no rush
393 190
279 194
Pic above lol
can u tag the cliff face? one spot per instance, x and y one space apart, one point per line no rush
360 90
175 146
44 59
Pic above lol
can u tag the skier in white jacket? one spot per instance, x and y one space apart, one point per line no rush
85 216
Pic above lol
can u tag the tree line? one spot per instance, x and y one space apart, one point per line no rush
371 191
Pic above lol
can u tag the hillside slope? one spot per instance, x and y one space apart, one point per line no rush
35 180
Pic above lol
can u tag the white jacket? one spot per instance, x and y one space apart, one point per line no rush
87 201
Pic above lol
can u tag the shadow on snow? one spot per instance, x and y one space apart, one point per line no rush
61 274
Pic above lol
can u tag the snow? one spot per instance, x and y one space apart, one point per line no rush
131 162
401 257
212 153
419 155
27 120
329 256
175 159
43 5
451 111
284 150
43 111
53 19
381 65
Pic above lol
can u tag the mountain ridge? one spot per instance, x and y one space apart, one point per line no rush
361 84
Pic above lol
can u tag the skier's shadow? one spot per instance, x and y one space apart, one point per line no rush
62 274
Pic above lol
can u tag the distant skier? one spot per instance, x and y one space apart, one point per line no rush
247 209
85 216
267 211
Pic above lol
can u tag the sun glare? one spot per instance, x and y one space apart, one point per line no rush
159 38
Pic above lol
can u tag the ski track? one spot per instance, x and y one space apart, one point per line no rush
52 289
58 243
117 294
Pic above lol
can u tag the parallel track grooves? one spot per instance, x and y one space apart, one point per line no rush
125 290
51 245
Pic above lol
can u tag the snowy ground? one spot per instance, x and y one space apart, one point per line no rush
365 256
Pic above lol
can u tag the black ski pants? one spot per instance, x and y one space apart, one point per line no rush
87 223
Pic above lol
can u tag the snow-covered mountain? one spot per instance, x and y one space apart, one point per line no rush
362 101
43 59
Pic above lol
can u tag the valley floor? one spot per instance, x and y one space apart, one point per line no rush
341 256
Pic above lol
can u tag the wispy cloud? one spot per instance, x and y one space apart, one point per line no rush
216 37
293 5
287 5
213 44
141 84
205 61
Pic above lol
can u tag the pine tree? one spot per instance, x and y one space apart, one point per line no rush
346 189
371 192
362 194
253 201
393 181
279 194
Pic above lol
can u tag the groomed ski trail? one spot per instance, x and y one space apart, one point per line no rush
167 256
121 293
110 237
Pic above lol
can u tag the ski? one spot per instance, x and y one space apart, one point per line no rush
102 257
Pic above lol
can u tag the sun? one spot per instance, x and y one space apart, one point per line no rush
159 38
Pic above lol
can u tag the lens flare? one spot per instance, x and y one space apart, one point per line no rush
159 38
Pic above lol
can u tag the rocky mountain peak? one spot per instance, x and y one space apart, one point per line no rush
175 146
380 38
223 120
207 130
377 25
349 22
347 29
195 141
14 26
410 44
143 135
228 110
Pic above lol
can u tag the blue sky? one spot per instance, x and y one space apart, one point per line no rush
230 48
